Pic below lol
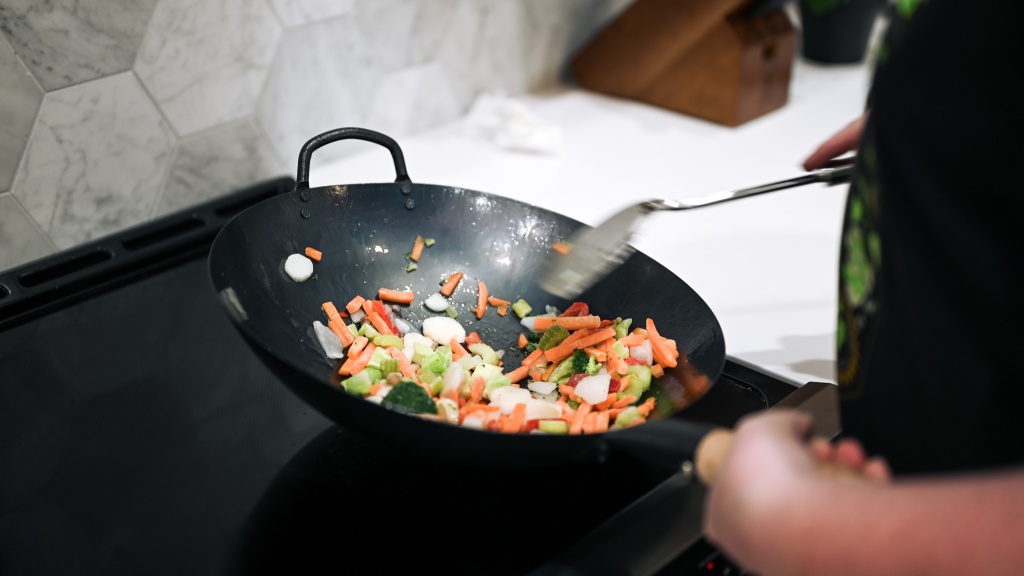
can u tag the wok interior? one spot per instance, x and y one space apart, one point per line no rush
366 231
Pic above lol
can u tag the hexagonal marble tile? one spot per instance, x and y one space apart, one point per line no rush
205 62
65 42
21 97
96 160
20 239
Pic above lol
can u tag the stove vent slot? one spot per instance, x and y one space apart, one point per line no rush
64 268
4 291
170 230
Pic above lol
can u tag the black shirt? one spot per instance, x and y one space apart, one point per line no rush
931 356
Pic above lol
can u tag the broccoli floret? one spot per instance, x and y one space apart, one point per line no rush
408 397
530 347
580 359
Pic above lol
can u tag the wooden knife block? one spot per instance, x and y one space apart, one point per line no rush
703 58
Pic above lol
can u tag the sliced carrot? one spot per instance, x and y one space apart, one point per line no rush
657 371
330 310
602 422
477 390
417 248
518 374
355 304
550 370
561 247
357 363
503 309
556 353
403 362
664 352
589 423
314 254
473 338
599 355
494 301
341 330
647 406
451 283
357 346
516 419
396 296
522 341
568 322
624 401
471 407
379 323
481 299
533 357
576 426
616 365
631 340
457 350
608 401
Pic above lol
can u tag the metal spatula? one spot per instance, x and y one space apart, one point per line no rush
593 252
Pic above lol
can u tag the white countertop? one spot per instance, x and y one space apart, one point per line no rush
766 265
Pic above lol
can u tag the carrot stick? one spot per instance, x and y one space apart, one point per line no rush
522 342
451 283
608 401
549 371
657 371
561 247
576 426
647 406
314 254
602 422
563 350
417 249
568 322
599 355
357 346
518 374
477 390
516 419
664 353
457 350
481 299
495 301
533 357
473 338
355 304
624 401
633 339
403 362
374 388
471 407
379 323
589 422
397 296
330 310
616 365
355 364
338 327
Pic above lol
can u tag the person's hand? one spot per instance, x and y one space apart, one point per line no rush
846 140
771 468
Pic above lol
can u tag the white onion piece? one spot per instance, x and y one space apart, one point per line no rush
436 302
475 423
594 389
528 323
507 397
403 326
442 329
454 377
329 341
358 316
298 267
410 339
542 387
642 352
540 409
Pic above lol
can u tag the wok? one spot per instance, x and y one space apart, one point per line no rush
365 232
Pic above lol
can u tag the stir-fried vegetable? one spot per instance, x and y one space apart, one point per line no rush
582 374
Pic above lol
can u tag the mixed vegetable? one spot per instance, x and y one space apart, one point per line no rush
581 373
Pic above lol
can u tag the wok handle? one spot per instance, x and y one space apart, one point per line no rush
311 145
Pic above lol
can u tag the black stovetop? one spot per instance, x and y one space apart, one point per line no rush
139 434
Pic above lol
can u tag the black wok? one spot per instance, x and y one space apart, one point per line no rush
365 232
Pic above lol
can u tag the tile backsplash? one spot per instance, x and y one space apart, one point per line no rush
113 112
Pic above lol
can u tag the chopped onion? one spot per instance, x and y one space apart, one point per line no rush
436 302
329 341
298 267
542 387
403 326
642 352
594 389
442 329
454 377
541 409
528 323
358 316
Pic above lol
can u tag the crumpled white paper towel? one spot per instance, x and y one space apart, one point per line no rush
511 125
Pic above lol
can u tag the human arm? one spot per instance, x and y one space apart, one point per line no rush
846 140
774 509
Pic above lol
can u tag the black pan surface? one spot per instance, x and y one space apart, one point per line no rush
366 231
